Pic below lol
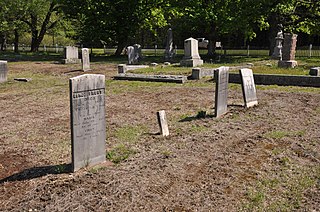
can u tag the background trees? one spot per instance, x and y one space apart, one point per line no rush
125 22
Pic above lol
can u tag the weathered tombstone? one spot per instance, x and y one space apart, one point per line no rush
289 51
88 125
137 53
191 55
315 71
130 52
221 76
3 71
163 124
248 87
85 59
122 69
169 52
277 51
57 48
71 55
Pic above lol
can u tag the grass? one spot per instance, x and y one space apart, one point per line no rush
120 153
283 192
129 133
279 134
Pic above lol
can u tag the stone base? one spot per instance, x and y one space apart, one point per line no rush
71 61
191 62
287 63
315 71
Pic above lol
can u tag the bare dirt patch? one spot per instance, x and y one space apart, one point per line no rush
262 158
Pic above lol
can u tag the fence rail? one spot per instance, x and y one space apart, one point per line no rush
302 51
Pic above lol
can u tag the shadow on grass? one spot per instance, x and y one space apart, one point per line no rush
37 172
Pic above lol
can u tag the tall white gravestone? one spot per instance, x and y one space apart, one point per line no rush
3 71
71 55
85 59
88 125
130 53
191 55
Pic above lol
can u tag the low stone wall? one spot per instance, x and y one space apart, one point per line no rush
152 78
286 80
198 73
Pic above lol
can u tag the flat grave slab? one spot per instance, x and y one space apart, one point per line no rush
152 78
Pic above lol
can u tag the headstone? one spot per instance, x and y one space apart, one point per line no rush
248 87
289 51
85 59
315 71
191 55
137 53
277 51
71 55
88 125
122 69
221 76
163 124
169 52
3 71
131 54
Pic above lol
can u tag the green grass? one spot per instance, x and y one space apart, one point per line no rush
120 153
130 133
279 134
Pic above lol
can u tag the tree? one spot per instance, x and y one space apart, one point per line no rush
41 16
115 22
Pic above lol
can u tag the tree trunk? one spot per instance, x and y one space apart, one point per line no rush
2 41
16 41
212 41
272 33
119 49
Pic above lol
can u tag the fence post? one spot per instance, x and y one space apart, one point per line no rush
310 50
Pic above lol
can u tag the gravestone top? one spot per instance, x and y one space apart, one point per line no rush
221 76
3 71
315 71
248 87
88 126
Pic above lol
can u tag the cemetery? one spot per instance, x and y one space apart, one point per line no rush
209 145
160 123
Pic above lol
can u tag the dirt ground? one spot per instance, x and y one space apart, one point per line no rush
261 158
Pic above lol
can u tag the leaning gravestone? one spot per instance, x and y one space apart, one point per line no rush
191 55
3 71
221 76
248 87
71 55
163 124
289 51
85 59
88 125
